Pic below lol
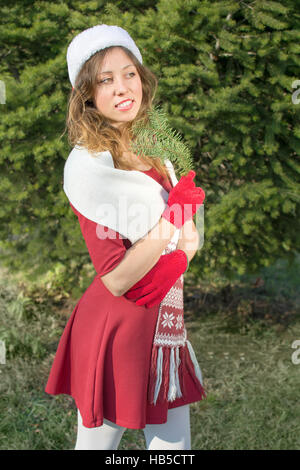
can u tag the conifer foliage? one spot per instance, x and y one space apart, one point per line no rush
158 140
227 73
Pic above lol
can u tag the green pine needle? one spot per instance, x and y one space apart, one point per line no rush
157 140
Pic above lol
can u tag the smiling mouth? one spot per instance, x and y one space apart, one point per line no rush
125 104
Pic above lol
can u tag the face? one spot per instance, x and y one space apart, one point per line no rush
118 80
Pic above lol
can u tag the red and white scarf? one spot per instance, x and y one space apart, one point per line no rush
172 353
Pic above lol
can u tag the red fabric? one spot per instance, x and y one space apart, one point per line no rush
184 200
96 361
153 287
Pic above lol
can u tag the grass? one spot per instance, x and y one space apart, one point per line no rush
242 336
252 389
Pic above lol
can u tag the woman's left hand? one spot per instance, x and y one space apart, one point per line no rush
153 287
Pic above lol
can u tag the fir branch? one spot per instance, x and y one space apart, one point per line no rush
157 140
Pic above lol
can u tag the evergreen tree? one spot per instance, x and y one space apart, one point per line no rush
226 71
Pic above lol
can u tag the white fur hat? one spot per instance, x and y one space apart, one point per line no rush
91 40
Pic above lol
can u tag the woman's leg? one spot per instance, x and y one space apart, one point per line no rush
174 434
105 437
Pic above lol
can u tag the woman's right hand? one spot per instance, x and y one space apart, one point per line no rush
184 201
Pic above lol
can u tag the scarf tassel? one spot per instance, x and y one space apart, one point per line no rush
193 368
166 373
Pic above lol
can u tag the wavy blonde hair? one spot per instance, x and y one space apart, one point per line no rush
89 127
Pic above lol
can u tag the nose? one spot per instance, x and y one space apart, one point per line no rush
120 85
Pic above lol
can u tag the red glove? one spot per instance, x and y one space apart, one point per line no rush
184 201
154 286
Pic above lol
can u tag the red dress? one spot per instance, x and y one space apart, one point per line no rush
104 354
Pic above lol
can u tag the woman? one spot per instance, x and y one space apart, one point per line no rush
125 360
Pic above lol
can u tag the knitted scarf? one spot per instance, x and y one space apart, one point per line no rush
172 353
110 196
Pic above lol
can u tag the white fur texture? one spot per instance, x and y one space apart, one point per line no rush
91 40
129 202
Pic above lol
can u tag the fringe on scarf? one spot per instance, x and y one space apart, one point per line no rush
166 373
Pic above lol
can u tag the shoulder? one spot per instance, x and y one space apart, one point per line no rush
82 152
81 156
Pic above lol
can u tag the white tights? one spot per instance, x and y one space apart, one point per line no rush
174 434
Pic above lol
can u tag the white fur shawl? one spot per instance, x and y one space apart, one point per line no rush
129 202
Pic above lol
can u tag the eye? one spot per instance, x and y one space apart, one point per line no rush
104 80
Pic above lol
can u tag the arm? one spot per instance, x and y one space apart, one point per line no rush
144 254
139 258
152 288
